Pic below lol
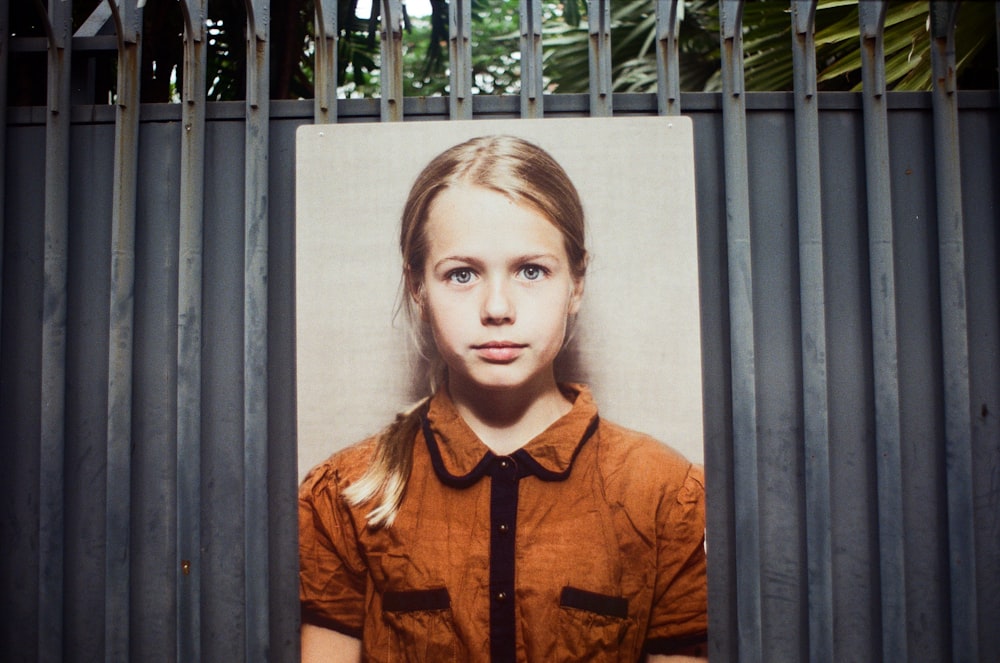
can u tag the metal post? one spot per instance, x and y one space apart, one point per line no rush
189 328
391 72
892 571
954 336
668 77
255 396
532 83
599 19
128 23
327 36
460 59
812 292
748 560
58 23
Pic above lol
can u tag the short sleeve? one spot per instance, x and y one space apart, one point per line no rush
679 618
332 575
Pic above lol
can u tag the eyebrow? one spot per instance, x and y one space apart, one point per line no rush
531 257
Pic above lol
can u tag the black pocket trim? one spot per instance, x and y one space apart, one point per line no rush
416 599
602 604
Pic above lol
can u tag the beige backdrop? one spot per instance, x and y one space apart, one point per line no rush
637 341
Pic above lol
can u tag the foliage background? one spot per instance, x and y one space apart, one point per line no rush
767 36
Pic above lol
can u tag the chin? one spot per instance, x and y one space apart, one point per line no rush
505 383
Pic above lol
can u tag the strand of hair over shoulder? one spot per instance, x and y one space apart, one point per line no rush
384 482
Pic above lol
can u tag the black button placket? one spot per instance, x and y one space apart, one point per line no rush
503 526
504 473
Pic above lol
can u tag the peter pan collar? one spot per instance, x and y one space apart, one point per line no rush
460 458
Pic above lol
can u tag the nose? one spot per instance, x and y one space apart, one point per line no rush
498 306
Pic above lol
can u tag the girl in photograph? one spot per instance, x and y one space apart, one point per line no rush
501 519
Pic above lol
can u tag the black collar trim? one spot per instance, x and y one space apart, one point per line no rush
526 464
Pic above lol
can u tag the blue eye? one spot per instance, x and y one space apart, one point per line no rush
460 276
532 272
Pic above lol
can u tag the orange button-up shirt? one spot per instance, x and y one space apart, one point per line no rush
587 544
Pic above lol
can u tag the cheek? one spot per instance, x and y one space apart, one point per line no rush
446 320
550 317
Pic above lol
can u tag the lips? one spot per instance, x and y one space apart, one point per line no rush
499 351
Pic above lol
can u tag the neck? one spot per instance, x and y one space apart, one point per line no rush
506 420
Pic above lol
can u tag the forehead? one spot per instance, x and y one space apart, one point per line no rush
479 217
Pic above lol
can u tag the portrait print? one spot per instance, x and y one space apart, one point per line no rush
636 339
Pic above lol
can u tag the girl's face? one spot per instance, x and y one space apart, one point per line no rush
497 291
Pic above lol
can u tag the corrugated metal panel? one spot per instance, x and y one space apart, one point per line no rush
171 531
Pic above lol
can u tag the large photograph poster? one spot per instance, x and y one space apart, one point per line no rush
636 341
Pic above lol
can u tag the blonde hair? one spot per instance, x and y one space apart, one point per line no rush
526 174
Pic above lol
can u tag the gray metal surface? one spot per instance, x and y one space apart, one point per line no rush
812 289
188 563
954 336
59 29
599 25
842 513
460 59
327 38
4 58
892 570
668 73
117 583
741 336
255 321
532 83
391 72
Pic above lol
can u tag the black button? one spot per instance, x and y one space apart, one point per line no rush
504 463
503 528
501 596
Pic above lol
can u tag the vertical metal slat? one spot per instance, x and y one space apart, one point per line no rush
325 103
255 467
391 70
812 291
4 57
884 338
189 328
954 336
460 59
599 20
58 26
668 77
532 83
128 24
741 321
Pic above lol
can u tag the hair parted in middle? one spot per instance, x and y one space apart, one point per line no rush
527 175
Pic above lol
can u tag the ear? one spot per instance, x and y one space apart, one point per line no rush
576 296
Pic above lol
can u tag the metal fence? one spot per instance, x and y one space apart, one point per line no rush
848 263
